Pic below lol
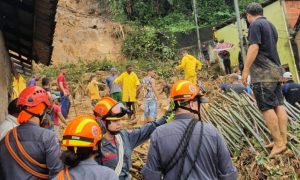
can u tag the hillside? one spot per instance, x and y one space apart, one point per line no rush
82 32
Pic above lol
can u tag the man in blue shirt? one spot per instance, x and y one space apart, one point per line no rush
290 89
113 90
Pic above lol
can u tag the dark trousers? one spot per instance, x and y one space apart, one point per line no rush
65 105
226 63
130 106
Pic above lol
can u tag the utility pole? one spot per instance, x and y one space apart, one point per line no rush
238 23
197 29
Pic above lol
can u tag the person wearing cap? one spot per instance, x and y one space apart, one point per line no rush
56 114
263 64
113 90
29 151
290 89
117 144
187 148
130 85
82 139
11 119
189 64
150 96
92 90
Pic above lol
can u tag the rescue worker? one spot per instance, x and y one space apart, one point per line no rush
189 64
188 148
82 139
29 151
290 89
117 144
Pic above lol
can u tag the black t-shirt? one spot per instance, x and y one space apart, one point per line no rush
266 67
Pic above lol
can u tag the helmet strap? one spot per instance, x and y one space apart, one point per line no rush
191 110
111 132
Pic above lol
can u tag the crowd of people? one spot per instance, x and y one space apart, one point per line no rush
95 146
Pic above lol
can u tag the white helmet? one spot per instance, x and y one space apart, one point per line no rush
288 75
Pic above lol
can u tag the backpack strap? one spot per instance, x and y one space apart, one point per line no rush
181 149
119 166
19 160
61 174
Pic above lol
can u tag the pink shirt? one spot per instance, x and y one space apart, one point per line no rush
56 109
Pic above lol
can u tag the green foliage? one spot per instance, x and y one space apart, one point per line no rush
174 22
145 43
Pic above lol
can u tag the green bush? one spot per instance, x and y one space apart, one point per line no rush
146 43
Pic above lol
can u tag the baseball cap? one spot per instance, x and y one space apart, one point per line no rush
54 96
113 69
287 75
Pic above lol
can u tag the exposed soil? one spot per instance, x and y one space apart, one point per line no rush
83 33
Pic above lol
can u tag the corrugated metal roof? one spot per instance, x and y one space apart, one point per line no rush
28 28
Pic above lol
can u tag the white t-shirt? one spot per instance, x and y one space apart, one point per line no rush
9 123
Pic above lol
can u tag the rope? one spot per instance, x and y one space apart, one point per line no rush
61 174
24 153
20 162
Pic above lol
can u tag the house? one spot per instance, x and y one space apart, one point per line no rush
26 34
292 11
228 31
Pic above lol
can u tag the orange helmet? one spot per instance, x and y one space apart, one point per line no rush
109 109
82 131
184 90
33 101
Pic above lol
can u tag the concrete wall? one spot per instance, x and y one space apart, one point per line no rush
275 15
5 72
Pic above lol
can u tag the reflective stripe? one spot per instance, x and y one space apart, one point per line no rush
112 118
106 104
179 86
82 124
71 142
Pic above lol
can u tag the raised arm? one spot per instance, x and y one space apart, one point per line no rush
139 135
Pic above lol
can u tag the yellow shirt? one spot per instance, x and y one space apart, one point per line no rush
129 85
93 90
189 64
18 86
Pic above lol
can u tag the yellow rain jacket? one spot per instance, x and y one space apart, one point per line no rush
93 90
189 64
129 85
18 86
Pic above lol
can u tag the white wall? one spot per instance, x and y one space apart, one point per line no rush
5 78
